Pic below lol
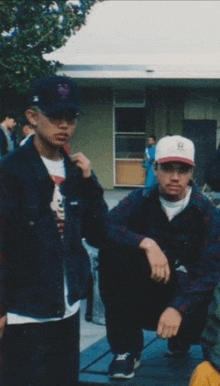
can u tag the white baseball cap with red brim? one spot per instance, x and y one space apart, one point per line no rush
175 148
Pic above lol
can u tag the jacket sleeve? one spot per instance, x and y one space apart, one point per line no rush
200 281
94 212
121 219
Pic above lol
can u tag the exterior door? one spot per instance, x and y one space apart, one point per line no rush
203 134
129 138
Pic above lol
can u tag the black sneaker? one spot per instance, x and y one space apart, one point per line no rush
177 348
123 366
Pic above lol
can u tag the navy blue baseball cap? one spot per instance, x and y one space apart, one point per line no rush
53 94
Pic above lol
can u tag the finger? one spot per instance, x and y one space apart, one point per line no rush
163 331
77 156
157 273
175 330
160 273
155 268
153 271
166 273
159 328
169 332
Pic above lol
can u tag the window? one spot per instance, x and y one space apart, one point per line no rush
130 126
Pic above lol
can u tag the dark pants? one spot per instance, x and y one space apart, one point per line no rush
41 354
134 302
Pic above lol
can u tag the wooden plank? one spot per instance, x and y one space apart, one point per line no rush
93 353
101 349
156 369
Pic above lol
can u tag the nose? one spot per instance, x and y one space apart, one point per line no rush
175 175
62 123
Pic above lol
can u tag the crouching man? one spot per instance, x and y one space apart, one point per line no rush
164 260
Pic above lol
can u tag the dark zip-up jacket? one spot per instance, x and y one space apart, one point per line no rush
191 240
33 254
210 338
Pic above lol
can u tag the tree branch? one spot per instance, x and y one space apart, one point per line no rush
5 65
37 44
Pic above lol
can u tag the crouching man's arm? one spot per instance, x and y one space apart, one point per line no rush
169 323
160 269
171 319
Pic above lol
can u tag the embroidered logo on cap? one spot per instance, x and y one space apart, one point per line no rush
63 90
180 146
35 98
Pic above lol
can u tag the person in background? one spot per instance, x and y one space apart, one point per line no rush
149 161
49 202
162 262
8 138
27 130
207 373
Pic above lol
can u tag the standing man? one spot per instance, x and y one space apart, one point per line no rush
149 162
27 131
8 138
164 260
48 203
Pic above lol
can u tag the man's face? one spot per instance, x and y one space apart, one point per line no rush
173 179
54 132
10 123
151 141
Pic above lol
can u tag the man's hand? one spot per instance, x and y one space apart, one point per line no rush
160 269
82 163
169 323
2 325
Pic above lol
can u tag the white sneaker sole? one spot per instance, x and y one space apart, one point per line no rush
121 376
124 376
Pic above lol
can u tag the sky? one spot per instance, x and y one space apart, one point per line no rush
120 29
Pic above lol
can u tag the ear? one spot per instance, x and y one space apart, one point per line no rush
31 116
155 168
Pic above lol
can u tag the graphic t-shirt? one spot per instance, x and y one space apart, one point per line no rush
56 169
57 204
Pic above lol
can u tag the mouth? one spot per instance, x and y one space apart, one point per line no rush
61 136
173 187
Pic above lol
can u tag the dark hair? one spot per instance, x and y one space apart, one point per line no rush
9 114
152 136
25 122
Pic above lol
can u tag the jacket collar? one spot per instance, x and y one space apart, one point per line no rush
40 169
196 198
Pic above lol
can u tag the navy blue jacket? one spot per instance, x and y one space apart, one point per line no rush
191 239
33 254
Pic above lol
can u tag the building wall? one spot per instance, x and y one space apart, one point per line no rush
94 133
166 109
165 114
203 104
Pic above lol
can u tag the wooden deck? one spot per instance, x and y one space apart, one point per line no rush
156 369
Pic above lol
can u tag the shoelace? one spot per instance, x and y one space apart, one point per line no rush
122 357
